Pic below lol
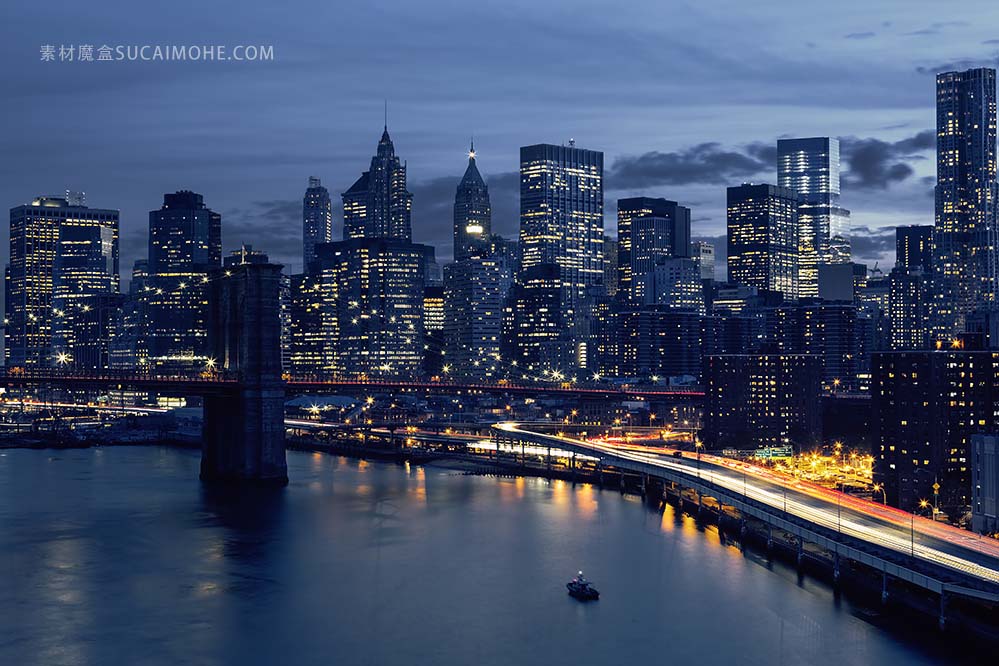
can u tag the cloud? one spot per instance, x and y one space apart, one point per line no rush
868 244
705 163
991 41
876 164
935 28
273 226
859 35
959 65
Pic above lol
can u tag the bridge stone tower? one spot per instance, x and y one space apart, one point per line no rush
243 430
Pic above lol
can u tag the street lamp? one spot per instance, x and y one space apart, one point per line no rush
697 447
880 488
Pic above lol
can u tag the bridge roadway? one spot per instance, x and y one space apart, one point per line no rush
215 383
929 554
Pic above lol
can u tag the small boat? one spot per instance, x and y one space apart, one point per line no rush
581 589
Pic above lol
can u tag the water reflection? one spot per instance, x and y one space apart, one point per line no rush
122 556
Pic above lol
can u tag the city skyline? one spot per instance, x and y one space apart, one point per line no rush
685 148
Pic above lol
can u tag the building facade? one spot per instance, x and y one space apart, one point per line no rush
965 236
378 205
60 254
762 400
472 212
926 407
763 238
561 242
185 246
317 220
810 167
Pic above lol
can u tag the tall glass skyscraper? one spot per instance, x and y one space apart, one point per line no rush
561 226
60 254
763 238
810 167
317 220
185 244
472 213
965 234
378 205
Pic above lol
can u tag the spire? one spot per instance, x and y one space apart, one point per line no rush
472 178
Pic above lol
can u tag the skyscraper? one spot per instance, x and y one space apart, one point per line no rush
810 167
378 205
763 238
926 405
561 226
379 299
672 238
472 213
60 254
378 274
473 315
317 219
965 235
914 247
704 254
185 244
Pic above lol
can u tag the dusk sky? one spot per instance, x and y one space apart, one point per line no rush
683 98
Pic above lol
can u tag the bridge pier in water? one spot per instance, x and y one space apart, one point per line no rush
243 429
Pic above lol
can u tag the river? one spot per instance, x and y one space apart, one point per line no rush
119 555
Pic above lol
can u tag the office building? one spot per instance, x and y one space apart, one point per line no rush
648 228
380 286
965 236
185 245
985 484
914 247
810 167
762 400
473 316
561 226
926 406
60 253
472 212
378 205
704 254
317 220
763 242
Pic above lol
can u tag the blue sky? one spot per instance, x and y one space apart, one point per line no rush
683 98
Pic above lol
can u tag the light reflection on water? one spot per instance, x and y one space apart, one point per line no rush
121 555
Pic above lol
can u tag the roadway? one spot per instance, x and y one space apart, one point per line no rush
871 522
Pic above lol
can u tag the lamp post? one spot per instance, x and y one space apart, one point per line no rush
697 447
912 528
884 495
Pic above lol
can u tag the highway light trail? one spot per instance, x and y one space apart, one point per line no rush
851 516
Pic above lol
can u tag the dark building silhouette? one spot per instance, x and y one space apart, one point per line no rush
914 247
